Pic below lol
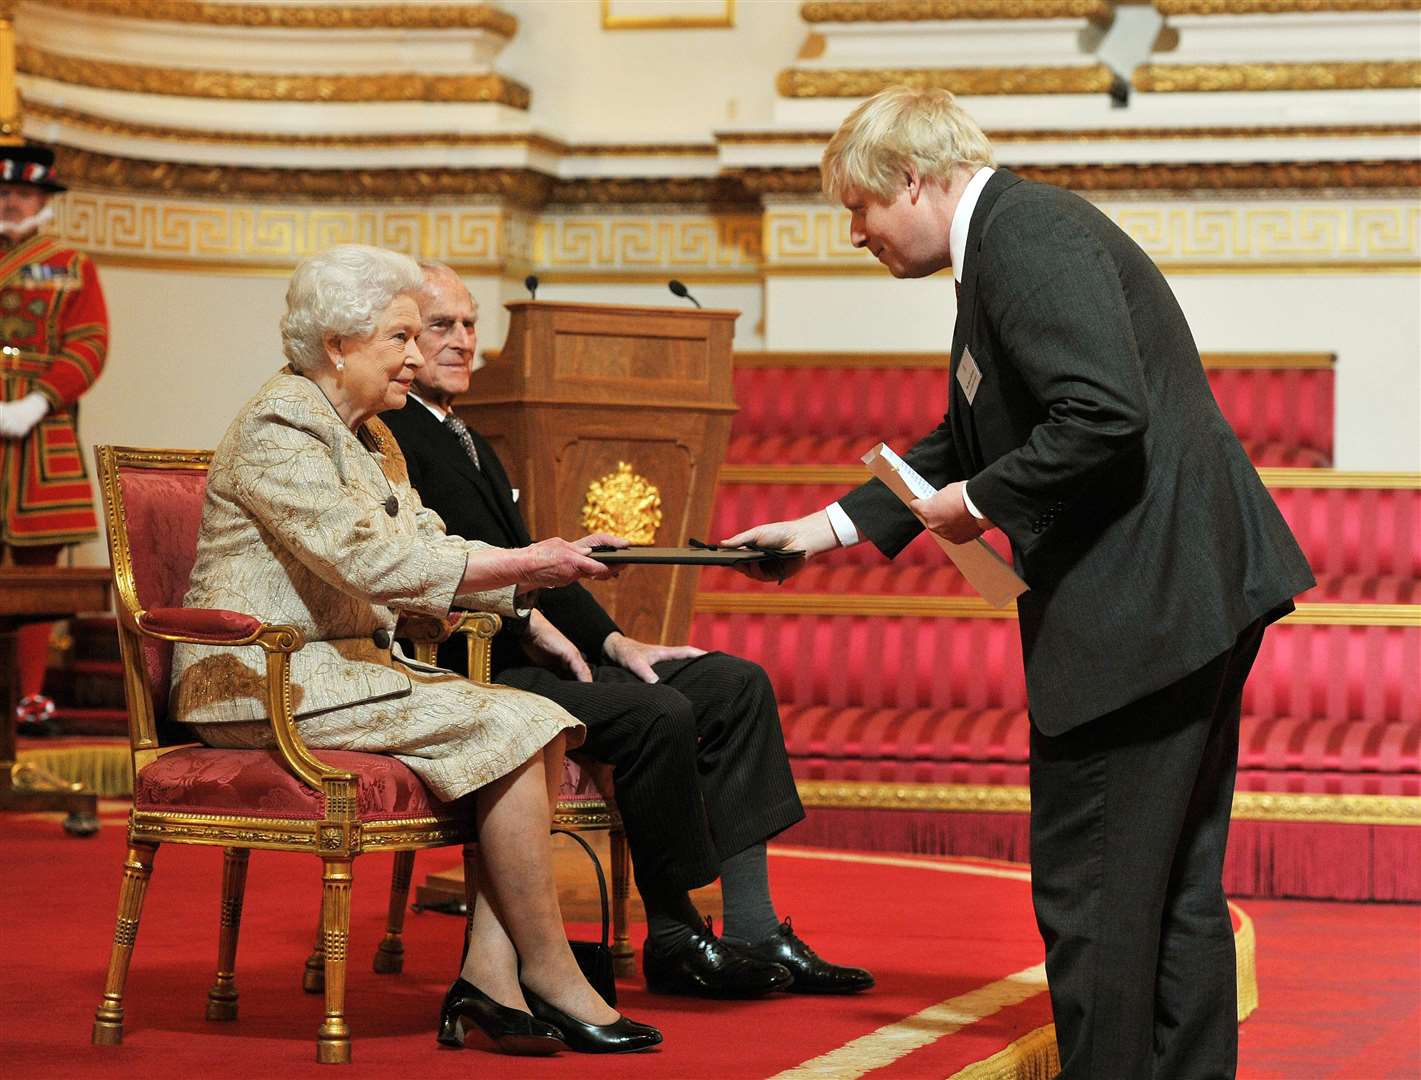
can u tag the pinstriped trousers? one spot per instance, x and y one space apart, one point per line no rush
698 760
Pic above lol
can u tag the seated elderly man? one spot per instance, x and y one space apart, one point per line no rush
694 739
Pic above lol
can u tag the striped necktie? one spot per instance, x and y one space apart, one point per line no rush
461 432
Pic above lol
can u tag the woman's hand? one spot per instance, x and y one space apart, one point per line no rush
555 561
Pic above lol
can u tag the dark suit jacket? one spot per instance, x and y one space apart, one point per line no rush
1093 441
477 504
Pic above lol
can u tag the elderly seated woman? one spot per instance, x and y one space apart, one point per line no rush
310 520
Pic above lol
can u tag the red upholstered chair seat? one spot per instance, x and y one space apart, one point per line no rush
252 783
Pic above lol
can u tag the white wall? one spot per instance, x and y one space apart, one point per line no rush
649 85
1371 321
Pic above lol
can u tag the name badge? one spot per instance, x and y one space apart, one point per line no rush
969 375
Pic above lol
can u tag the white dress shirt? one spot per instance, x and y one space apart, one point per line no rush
843 525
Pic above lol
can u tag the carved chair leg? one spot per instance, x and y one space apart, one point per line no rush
313 979
623 959
333 1040
222 998
137 869
471 892
390 956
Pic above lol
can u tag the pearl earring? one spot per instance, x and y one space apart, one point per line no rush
340 365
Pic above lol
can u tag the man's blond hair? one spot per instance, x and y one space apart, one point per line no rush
896 128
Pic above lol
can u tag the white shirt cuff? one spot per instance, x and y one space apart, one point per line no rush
842 525
971 506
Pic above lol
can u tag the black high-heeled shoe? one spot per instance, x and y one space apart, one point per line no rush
622 1036
467 1010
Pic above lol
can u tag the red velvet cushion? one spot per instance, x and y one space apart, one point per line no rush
211 623
162 510
207 780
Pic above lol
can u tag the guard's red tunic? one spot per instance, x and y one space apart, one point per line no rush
54 334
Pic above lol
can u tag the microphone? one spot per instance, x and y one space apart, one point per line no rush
677 289
531 284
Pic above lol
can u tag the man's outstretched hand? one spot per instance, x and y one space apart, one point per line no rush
637 656
811 534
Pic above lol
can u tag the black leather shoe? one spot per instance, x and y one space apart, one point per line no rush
622 1036
812 975
470 1013
707 967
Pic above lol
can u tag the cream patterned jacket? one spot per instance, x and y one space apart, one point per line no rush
296 529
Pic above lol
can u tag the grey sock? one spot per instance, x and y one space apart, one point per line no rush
745 886
671 919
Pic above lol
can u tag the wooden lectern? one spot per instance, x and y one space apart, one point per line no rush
614 419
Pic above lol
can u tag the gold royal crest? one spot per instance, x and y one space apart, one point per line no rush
625 504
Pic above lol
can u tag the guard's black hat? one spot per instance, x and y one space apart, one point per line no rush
30 164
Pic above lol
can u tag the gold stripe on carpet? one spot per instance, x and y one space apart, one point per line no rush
1016 799
1011 871
893 1041
106 769
891 605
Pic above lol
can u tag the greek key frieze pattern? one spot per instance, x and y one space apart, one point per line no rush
809 236
125 225
699 242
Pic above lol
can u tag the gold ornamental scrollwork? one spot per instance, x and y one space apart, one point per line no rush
326 16
1343 75
1279 7
623 503
105 172
262 86
855 82
850 11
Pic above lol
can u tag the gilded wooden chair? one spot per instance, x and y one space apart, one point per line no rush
335 806
585 802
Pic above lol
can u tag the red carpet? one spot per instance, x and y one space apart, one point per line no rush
1339 983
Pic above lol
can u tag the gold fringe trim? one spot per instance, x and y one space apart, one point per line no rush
106 770
1031 1057
1016 799
1246 964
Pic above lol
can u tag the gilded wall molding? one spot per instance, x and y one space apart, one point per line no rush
622 191
263 86
1217 78
852 11
1278 7
967 81
326 16
105 172
1211 177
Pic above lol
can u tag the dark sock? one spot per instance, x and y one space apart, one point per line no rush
671 919
745 887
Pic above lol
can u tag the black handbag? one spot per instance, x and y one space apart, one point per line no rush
595 957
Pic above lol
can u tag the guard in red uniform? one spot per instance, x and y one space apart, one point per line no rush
54 332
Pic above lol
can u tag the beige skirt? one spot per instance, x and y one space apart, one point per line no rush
454 734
